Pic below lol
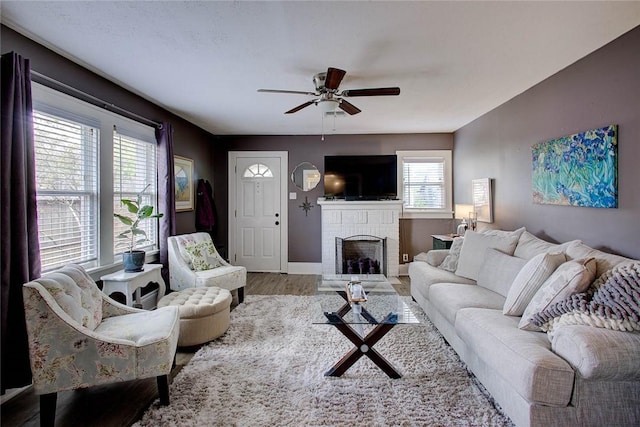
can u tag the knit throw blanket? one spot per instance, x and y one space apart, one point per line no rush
612 301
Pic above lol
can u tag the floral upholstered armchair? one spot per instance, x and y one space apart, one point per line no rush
79 337
194 261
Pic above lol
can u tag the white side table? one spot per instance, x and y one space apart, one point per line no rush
127 283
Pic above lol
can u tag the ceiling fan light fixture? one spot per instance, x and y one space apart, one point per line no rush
327 105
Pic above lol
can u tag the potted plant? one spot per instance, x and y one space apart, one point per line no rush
133 259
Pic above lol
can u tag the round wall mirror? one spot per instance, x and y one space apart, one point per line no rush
305 176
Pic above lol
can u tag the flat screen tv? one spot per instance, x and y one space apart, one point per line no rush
366 177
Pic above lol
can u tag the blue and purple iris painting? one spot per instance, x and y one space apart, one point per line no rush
577 170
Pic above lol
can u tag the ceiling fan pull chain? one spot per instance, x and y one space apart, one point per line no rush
322 137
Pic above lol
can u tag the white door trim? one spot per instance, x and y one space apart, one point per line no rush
284 214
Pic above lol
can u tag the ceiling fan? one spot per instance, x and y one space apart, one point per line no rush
328 96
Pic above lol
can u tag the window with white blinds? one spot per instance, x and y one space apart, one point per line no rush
87 159
66 156
134 171
425 181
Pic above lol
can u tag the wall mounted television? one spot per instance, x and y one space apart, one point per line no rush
361 177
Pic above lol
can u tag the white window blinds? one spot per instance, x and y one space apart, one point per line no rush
66 156
134 170
423 181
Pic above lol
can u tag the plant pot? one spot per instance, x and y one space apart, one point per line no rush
133 261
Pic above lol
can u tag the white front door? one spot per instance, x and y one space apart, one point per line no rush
257 213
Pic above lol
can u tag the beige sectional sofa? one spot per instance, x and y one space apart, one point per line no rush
580 375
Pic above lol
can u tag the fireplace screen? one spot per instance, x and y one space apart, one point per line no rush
361 255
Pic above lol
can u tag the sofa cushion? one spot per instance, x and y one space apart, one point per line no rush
448 298
528 281
424 275
450 263
599 354
475 246
524 359
498 271
504 233
530 246
604 261
570 278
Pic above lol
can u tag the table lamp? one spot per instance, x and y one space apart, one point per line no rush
460 213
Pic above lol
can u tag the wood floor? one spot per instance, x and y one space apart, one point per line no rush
122 404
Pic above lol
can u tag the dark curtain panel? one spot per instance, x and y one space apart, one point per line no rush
166 193
20 247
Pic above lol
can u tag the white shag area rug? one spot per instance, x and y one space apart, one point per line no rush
268 370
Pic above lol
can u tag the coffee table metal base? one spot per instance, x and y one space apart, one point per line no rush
363 346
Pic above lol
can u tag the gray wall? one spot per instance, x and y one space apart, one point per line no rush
304 231
189 140
601 89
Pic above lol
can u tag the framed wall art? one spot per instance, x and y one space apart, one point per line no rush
183 172
577 170
482 203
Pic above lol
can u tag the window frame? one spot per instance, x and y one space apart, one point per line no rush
418 213
55 102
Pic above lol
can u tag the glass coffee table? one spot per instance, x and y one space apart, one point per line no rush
363 323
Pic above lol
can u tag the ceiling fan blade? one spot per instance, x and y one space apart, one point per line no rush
299 107
296 92
348 107
334 77
381 91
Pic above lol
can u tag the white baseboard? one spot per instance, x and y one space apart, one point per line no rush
13 392
304 268
403 270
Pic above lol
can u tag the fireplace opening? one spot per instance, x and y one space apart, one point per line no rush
361 254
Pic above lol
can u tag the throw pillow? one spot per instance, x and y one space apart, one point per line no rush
201 255
450 263
498 271
505 233
474 247
530 246
570 278
528 281
610 302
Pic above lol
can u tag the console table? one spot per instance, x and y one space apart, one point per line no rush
128 283
442 241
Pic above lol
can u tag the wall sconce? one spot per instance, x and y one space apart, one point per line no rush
462 212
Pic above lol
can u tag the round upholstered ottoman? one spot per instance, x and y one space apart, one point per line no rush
204 313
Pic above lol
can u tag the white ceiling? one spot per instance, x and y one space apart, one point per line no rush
204 60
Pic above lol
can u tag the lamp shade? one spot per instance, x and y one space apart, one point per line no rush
462 211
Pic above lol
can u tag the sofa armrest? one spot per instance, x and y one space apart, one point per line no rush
434 257
598 353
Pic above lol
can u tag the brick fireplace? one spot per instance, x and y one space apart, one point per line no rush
348 219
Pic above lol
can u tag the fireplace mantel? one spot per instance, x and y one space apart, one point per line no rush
343 219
